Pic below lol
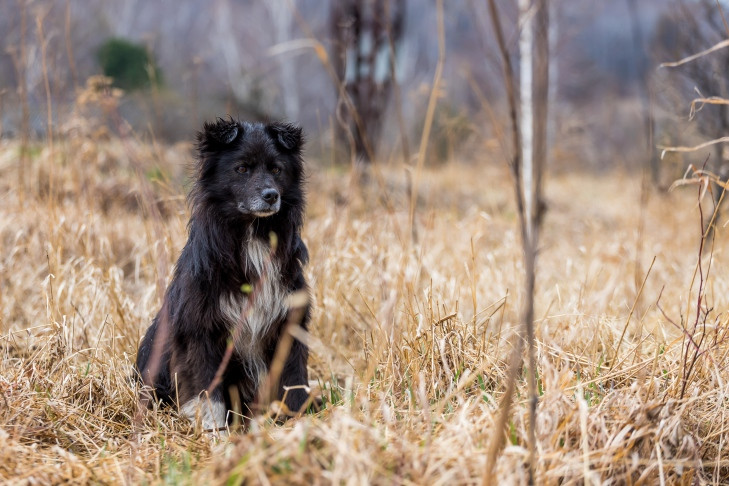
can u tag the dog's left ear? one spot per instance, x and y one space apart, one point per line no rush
288 137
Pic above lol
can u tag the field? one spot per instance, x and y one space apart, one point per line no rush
410 335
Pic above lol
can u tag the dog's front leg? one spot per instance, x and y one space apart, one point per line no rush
294 378
194 370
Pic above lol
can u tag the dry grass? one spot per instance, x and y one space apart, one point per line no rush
409 343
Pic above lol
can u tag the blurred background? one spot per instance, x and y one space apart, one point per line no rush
179 63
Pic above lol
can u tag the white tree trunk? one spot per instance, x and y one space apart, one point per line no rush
227 43
281 15
526 66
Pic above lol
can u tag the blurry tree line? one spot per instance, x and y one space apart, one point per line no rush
367 96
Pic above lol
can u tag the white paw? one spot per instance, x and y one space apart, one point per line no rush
209 414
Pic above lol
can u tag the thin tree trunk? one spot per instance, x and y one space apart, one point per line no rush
405 144
552 36
527 115
22 68
497 441
529 159
541 117
69 47
542 94
651 160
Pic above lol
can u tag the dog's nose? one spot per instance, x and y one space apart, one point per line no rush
270 195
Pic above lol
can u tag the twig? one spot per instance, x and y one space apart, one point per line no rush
723 18
630 314
720 45
691 348
700 146
510 83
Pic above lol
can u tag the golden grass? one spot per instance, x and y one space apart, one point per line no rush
409 341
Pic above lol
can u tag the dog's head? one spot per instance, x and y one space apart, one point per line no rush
249 170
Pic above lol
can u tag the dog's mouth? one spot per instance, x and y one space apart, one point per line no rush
261 210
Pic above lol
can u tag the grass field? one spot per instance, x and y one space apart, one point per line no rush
409 339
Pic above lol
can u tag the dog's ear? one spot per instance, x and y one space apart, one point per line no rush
288 137
218 134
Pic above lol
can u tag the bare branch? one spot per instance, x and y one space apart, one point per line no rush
695 148
720 45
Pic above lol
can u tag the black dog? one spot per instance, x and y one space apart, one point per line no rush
234 279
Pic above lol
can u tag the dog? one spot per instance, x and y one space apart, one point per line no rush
226 311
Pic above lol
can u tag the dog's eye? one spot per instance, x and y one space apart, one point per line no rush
241 169
276 170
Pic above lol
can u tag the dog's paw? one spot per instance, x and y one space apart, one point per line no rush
218 435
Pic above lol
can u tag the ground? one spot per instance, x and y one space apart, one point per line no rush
410 336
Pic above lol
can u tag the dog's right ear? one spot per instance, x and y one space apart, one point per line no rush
219 134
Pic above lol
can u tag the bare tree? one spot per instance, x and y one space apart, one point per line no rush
685 31
365 35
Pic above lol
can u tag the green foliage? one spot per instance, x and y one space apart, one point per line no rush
332 393
129 64
513 436
31 151
155 174
178 470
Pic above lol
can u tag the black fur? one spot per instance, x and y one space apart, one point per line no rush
249 186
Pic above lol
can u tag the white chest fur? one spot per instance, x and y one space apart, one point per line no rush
251 315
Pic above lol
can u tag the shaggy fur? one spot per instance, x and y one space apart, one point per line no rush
242 262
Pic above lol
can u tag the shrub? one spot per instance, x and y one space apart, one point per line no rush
129 64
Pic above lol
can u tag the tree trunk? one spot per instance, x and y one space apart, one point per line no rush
365 32
527 115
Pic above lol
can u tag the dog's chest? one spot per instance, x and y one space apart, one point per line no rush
252 311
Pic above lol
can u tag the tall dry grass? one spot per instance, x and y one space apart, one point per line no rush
408 342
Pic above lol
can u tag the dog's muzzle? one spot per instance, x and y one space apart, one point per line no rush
267 204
